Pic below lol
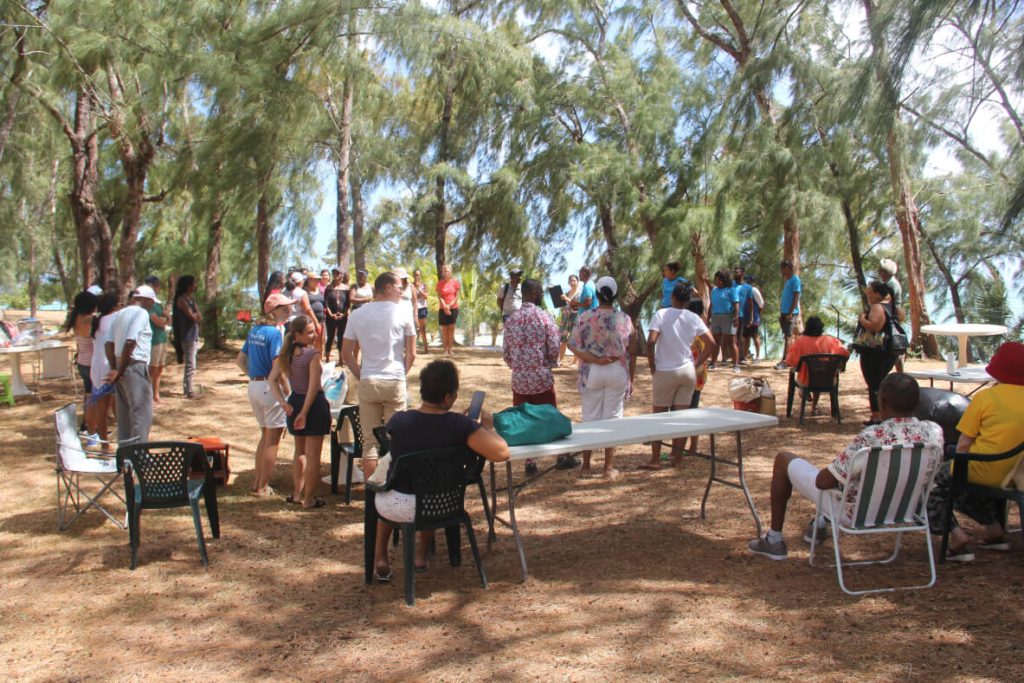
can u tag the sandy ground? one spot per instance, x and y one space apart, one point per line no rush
625 580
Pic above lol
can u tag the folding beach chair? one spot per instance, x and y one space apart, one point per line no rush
889 493
75 462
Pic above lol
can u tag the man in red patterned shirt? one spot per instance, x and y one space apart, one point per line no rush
531 350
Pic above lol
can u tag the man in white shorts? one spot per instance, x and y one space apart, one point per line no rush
898 397
673 367
256 359
382 335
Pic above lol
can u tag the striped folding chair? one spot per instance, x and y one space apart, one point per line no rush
887 494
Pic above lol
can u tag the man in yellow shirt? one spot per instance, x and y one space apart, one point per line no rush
993 423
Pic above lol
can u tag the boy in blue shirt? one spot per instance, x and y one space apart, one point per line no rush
670 278
588 295
789 309
743 290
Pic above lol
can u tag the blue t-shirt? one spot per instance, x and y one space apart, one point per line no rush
588 291
743 293
261 348
789 290
667 287
722 299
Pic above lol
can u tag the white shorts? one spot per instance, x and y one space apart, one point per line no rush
605 394
674 387
802 476
269 413
158 356
395 506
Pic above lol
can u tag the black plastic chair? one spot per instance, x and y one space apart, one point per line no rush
960 484
156 476
439 479
822 377
476 476
352 450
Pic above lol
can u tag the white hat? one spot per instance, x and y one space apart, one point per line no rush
297 277
888 265
145 292
608 282
401 272
95 289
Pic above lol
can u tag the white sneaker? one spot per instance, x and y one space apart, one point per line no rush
92 441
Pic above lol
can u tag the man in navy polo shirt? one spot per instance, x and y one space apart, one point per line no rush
256 360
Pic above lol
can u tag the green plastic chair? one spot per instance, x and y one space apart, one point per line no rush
6 393
156 476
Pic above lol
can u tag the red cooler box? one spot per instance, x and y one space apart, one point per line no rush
220 451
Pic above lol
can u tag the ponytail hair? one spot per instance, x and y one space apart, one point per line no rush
295 328
84 304
885 291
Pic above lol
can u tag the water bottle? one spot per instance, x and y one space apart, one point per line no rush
950 363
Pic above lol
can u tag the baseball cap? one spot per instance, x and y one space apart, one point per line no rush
152 280
608 282
144 292
401 272
95 289
515 271
274 301
297 277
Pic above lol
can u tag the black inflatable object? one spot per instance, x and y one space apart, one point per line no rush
944 408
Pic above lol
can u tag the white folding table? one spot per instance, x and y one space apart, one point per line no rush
592 436
972 374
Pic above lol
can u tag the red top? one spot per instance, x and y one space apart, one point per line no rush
448 290
806 345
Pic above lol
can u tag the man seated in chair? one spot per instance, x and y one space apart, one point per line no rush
993 423
898 398
812 341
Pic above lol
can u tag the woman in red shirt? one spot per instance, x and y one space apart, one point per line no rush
813 341
448 294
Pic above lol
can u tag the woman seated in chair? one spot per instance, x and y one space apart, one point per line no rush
993 423
813 341
430 426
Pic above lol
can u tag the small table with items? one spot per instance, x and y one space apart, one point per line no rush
963 332
18 387
974 374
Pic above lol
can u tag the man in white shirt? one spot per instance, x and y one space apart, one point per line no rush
128 349
379 347
673 367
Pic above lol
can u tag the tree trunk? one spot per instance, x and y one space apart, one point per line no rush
65 283
343 161
211 317
440 208
262 243
91 229
853 236
135 169
947 275
909 221
358 227
700 268
907 215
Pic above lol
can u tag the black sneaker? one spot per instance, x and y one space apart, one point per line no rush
567 462
531 467
821 533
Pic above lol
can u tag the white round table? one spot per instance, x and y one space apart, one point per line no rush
18 387
963 332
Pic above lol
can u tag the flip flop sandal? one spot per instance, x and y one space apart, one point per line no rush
317 503
650 467
422 569
292 500
382 578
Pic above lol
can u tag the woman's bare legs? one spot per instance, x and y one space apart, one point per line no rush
609 470
154 378
421 331
266 458
298 468
311 480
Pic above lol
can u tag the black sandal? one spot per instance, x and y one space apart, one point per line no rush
317 503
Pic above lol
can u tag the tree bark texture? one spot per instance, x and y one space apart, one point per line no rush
211 281
262 242
440 208
342 179
358 220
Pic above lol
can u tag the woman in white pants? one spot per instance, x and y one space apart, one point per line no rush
604 341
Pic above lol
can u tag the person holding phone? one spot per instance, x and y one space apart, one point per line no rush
432 425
